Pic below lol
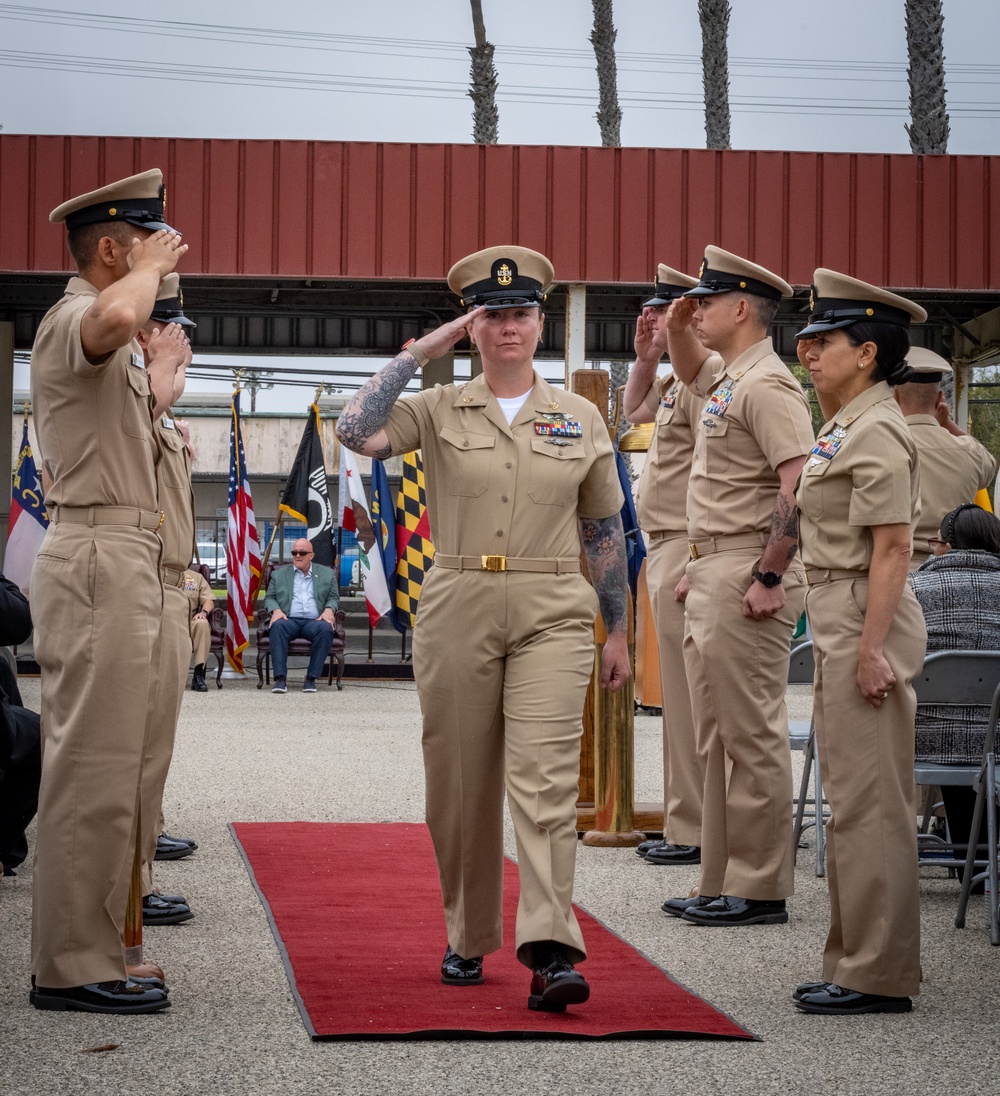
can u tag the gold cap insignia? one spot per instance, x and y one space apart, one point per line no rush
180 299
504 275
869 311
743 285
701 269
812 298
112 210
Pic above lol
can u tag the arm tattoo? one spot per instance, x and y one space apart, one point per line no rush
785 525
604 546
368 412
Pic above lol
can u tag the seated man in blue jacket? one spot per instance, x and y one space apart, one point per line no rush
302 600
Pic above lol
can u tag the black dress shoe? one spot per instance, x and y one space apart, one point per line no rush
557 984
189 841
456 971
677 907
121 997
808 987
167 848
173 899
152 982
834 1000
155 911
729 910
198 682
644 846
674 854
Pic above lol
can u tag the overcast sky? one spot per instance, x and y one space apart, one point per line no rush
826 75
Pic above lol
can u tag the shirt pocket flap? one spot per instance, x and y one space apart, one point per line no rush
465 439
560 448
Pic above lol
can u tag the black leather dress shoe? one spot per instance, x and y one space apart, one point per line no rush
729 910
556 985
173 899
456 971
121 997
198 682
644 846
155 911
834 1000
189 841
674 854
808 987
167 848
677 907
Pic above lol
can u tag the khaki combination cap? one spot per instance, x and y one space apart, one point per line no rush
838 301
668 285
928 367
723 272
502 277
169 307
139 200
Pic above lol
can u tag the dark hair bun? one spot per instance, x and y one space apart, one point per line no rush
900 373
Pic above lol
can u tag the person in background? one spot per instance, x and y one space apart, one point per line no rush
959 592
859 501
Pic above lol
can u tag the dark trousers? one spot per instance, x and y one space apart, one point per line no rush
20 773
318 632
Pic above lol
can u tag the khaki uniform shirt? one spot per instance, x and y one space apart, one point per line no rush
952 470
756 418
661 496
93 422
197 591
173 481
514 490
863 471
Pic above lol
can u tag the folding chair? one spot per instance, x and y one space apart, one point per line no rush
802 736
958 678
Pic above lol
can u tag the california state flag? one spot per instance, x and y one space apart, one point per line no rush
354 514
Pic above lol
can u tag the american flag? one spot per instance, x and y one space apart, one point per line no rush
242 548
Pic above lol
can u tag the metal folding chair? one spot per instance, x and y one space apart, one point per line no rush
802 736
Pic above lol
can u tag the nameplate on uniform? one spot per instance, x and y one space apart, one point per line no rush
719 400
558 426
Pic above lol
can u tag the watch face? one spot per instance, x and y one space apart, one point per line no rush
767 578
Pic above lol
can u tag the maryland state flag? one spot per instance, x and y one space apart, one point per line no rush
307 497
414 550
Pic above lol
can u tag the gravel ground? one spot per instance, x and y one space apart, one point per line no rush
244 755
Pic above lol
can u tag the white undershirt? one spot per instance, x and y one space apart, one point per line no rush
511 405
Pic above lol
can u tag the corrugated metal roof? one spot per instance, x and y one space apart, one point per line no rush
327 209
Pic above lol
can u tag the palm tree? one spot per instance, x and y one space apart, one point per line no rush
928 129
714 18
602 38
483 80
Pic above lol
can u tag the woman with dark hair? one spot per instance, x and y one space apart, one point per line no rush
959 592
857 496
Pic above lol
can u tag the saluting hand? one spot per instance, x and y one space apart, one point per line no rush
646 349
162 251
439 341
680 314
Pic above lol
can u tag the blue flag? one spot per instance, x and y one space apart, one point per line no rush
384 521
635 549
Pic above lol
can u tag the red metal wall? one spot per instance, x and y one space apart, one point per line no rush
389 211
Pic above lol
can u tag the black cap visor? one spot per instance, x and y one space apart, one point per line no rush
832 313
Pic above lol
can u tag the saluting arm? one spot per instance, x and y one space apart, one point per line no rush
361 426
687 355
643 373
604 546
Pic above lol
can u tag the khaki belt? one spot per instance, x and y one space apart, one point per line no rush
816 576
655 538
108 515
709 545
172 577
507 563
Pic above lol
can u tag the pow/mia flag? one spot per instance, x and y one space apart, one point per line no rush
306 497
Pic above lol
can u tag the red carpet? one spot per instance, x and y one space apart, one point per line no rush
356 911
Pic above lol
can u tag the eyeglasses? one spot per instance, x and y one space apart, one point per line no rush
294 553
936 542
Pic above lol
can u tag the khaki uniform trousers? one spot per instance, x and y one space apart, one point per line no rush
96 601
161 720
683 780
199 641
737 671
502 662
866 761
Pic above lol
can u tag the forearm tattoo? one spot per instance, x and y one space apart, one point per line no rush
604 546
785 525
368 412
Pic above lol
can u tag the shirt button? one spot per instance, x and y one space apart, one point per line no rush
507 464
503 498
499 532
465 444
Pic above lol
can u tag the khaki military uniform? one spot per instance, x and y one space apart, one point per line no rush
952 470
756 418
864 472
198 592
502 658
96 602
661 500
173 480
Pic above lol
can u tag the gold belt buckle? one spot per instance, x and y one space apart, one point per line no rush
693 550
160 522
494 563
